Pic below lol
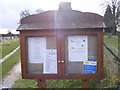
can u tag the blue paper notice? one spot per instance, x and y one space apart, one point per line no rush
92 58
89 67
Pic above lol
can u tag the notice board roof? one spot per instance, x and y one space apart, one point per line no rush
62 19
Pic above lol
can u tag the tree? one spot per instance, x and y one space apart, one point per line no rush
9 32
118 13
109 21
25 13
109 18
111 12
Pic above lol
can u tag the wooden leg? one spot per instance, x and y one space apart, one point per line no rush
85 84
41 84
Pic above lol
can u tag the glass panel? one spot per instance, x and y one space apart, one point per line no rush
42 55
81 54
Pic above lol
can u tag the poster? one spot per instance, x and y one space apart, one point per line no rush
92 58
36 49
90 67
50 64
77 48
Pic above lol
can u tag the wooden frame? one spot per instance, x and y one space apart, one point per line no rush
60 37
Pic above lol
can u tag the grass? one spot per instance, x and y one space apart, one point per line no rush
10 62
63 84
0 71
112 42
25 83
109 79
8 46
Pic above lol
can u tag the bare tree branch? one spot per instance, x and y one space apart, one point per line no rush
27 12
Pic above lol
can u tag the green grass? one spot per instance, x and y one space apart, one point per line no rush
112 42
107 81
8 46
63 84
0 71
25 83
10 62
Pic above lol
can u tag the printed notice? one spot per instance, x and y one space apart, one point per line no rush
90 67
36 49
50 64
77 48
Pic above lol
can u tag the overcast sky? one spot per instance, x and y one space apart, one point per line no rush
10 9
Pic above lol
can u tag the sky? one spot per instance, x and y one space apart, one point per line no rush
10 9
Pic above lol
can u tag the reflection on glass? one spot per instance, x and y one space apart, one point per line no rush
42 55
81 54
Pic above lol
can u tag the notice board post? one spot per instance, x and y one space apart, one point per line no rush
85 83
62 44
41 84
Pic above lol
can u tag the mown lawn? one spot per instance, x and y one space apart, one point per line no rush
8 46
112 42
0 71
107 81
26 83
10 62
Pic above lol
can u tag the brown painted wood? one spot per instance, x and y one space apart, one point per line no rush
100 53
85 84
63 55
58 54
60 35
41 84
23 55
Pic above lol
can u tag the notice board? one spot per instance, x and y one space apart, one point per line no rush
81 49
42 55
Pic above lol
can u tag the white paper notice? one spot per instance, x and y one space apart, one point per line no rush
77 48
50 64
36 49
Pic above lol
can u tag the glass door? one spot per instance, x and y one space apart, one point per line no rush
80 54
42 55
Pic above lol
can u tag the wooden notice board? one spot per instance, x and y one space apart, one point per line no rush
57 48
